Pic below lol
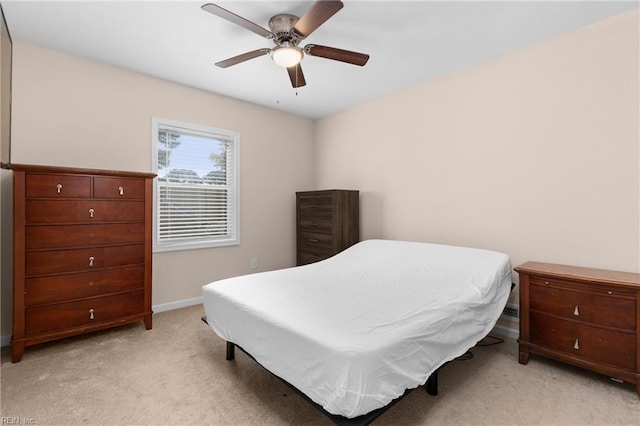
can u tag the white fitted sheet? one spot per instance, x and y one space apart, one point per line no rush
353 332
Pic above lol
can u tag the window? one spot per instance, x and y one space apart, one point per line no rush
196 191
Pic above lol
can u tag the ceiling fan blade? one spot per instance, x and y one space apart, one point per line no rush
232 17
341 55
319 13
296 76
241 58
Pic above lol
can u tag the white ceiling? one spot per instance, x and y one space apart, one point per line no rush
409 42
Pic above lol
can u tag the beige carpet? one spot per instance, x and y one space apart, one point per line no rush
177 374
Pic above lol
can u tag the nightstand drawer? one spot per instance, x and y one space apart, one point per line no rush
584 341
598 308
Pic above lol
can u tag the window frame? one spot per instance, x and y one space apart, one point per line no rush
158 123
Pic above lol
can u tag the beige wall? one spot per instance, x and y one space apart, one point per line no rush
73 112
534 153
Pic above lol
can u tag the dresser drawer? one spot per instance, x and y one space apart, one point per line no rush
312 256
119 188
315 241
73 211
67 186
77 260
320 205
62 236
87 312
593 306
58 288
322 224
584 341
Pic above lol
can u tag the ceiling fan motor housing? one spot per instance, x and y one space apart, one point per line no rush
281 26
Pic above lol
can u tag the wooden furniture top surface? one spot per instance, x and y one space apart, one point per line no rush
325 191
76 170
601 276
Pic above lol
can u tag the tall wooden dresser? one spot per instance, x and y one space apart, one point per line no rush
82 252
327 223
582 316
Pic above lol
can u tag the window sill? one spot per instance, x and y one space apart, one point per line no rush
194 245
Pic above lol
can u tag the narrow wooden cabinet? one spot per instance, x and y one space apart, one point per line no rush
581 316
327 223
81 252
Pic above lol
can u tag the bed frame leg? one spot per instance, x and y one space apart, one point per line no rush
231 351
432 384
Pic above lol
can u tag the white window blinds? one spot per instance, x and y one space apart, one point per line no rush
196 187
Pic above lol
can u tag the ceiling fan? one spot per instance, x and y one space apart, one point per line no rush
287 31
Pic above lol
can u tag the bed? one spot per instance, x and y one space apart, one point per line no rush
356 331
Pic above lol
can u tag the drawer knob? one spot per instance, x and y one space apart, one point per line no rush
59 188
576 345
609 292
121 190
313 240
91 212
91 315
576 312
91 259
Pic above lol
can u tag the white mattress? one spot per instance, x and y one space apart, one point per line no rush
353 332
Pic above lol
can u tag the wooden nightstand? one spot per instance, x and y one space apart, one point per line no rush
582 316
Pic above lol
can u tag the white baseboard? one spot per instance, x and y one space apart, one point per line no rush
506 332
177 304
6 340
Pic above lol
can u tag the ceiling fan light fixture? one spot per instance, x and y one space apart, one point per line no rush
286 56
